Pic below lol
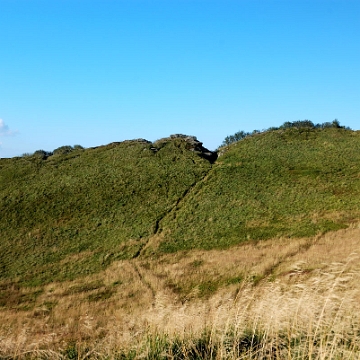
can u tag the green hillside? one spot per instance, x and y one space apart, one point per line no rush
72 214
292 183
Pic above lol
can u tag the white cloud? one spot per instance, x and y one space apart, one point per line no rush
4 129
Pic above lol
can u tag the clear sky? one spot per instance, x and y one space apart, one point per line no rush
91 72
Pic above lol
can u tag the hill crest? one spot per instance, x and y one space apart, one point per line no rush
107 202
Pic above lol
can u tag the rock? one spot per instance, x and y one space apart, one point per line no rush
192 144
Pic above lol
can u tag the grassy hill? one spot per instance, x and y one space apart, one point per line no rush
292 183
73 214
165 250
98 204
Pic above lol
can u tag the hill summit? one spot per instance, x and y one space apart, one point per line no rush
73 212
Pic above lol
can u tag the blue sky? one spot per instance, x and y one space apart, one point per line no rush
91 72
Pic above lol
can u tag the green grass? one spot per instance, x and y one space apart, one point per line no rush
75 212
291 183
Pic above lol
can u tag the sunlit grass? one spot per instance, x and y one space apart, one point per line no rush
149 251
307 306
292 183
74 213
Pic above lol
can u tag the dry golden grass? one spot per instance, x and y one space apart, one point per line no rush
301 295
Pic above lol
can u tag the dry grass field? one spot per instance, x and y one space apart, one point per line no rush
280 298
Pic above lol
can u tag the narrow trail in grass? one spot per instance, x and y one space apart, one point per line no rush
158 234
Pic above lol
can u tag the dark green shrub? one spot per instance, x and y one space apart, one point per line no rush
236 137
297 124
42 154
78 147
62 150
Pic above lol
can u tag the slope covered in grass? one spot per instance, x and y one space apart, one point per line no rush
72 214
277 299
294 183
136 250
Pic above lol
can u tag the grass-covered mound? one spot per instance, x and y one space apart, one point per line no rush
72 213
291 182
66 216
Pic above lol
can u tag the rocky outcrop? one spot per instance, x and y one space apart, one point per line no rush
192 144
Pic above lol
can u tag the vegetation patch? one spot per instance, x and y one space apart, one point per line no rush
100 295
274 180
84 287
72 212
102 202
14 297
